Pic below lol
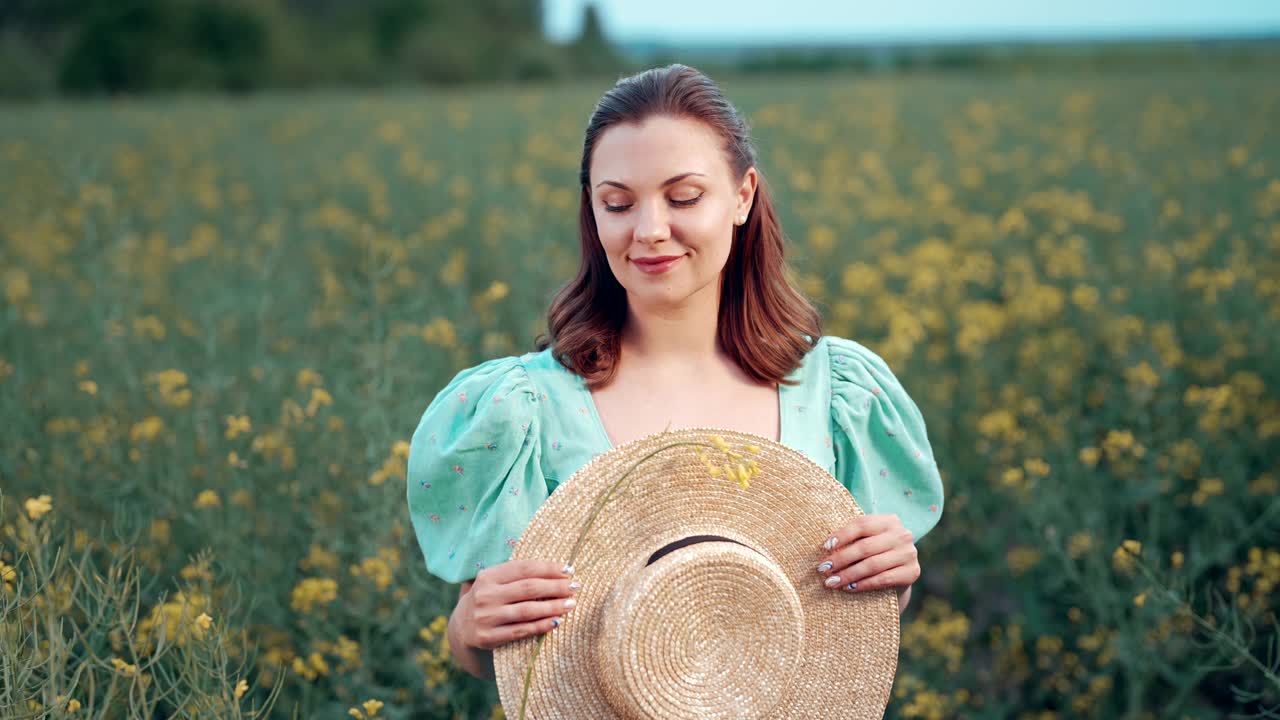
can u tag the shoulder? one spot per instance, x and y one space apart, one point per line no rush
496 391
851 360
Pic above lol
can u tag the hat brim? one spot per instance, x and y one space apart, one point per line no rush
850 645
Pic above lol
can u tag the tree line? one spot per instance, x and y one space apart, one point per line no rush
140 46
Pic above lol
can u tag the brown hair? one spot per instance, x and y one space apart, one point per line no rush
763 318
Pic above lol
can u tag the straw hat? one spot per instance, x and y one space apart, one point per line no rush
700 597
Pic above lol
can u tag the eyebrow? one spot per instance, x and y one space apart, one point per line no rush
670 180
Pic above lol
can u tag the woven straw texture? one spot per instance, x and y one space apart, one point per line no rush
716 629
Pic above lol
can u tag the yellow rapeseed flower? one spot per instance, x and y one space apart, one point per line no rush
241 688
208 499
312 591
237 424
203 622
36 507
371 708
308 377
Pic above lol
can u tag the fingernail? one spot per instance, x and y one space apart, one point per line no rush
825 566
567 570
833 581
851 586
575 585
555 622
570 603
830 543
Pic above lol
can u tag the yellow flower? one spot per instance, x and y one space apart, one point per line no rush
208 499
312 591
1140 599
38 506
203 622
7 576
237 425
371 708
319 396
308 377
123 667
73 705
241 688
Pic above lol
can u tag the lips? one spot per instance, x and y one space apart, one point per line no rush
655 260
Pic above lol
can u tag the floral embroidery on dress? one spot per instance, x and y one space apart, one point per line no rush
491 445
434 517
457 469
933 508
514 491
426 485
555 445
462 396
908 492
497 399
511 541
463 508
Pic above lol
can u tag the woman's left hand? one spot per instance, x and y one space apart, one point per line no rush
870 553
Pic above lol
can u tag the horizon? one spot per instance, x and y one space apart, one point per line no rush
808 22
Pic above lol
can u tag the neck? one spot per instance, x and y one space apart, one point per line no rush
674 339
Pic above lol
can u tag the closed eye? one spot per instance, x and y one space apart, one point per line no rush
678 203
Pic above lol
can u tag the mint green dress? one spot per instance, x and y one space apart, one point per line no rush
502 435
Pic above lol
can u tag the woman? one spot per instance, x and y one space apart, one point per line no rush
681 316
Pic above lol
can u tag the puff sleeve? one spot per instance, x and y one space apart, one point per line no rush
880 442
474 470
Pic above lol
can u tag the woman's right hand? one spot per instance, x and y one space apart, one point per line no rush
513 600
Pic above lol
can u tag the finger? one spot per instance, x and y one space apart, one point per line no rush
871 566
859 527
534 610
838 561
515 569
895 577
534 588
504 634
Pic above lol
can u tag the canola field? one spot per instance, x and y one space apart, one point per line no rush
222 319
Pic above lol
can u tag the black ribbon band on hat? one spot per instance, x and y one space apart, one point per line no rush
685 542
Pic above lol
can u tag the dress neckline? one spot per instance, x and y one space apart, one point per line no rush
784 422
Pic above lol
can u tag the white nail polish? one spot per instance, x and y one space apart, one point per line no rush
830 543
833 581
570 603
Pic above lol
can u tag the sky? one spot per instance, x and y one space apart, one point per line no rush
714 21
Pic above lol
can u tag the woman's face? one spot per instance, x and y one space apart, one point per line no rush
663 188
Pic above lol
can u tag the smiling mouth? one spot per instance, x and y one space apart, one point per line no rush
657 265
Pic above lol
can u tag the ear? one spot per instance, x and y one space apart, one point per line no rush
747 191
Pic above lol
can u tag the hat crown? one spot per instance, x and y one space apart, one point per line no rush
681 637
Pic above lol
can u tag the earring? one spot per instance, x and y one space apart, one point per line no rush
742 219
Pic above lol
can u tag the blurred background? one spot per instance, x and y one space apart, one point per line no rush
244 244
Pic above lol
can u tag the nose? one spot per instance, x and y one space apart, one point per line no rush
651 223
